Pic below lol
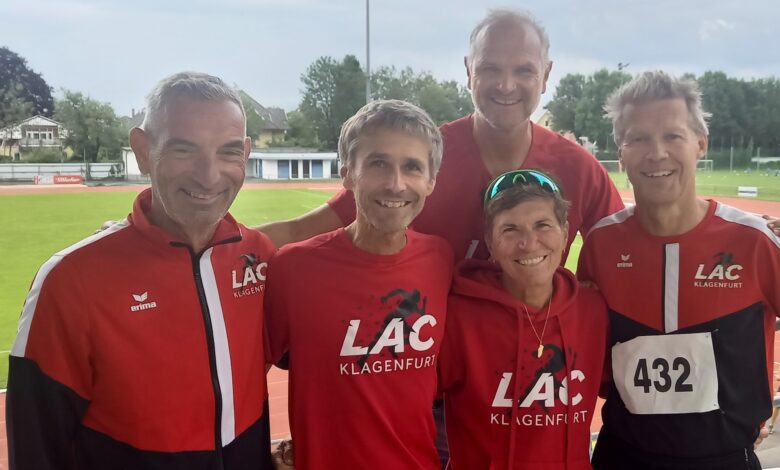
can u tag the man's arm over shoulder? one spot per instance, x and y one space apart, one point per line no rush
584 263
603 198
769 279
320 220
339 211
49 378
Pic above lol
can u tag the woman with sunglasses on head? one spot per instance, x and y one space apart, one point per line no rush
522 359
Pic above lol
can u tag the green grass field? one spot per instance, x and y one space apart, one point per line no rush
724 183
36 226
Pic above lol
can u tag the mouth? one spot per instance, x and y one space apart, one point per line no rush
393 204
531 261
657 174
505 101
202 197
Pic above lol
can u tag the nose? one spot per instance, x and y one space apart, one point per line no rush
207 171
396 180
657 150
526 239
506 83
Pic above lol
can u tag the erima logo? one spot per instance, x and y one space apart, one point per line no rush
143 305
625 261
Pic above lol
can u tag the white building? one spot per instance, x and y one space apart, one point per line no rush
281 165
270 164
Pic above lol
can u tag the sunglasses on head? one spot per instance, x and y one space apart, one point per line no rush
521 177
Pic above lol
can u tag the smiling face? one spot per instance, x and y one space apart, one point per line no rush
390 176
507 75
527 241
196 159
659 151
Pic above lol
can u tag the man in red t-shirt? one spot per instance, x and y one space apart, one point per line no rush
359 312
507 69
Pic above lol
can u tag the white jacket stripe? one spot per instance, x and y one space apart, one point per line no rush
221 347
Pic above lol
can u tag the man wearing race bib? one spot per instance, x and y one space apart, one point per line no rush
692 291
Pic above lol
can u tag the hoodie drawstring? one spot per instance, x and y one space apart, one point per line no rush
515 390
569 405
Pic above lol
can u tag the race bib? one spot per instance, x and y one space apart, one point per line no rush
669 374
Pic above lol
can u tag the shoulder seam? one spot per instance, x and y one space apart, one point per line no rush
617 218
746 219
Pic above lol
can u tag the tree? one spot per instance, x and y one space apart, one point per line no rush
578 104
23 92
333 91
301 133
564 102
94 131
444 101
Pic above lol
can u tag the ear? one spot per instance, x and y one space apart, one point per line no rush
430 186
468 72
565 229
247 148
703 143
139 142
547 70
346 178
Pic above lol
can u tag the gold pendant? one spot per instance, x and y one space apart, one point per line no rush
539 351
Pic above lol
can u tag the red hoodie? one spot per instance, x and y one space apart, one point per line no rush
488 362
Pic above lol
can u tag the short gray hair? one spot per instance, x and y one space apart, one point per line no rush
502 16
192 85
655 86
395 115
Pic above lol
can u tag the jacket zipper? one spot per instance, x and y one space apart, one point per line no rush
204 309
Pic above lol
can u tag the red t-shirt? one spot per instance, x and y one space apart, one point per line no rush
454 210
362 333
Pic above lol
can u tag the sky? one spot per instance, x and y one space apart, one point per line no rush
115 51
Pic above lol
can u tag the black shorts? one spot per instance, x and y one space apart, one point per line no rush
612 453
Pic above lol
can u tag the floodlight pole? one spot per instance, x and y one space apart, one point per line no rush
368 56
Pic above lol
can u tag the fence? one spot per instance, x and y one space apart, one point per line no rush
26 172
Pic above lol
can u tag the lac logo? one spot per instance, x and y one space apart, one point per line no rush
724 273
250 278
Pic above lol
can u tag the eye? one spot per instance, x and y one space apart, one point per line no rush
414 166
377 163
181 150
232 154
673 137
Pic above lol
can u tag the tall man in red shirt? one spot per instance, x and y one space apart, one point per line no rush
141 347
692 290
507 69
360 310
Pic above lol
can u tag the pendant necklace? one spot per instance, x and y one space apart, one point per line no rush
538 336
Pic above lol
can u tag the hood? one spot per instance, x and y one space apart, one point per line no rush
481 279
